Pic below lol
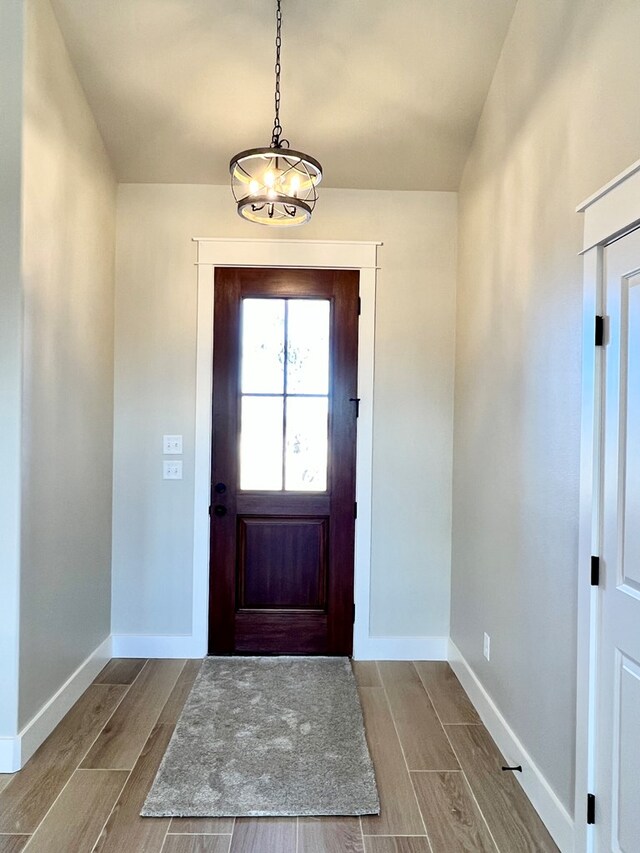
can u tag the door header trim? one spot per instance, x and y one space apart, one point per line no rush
613 209
331 254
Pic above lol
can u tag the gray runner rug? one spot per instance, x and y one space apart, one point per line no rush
267 736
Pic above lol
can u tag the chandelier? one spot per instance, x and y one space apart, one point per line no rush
275 185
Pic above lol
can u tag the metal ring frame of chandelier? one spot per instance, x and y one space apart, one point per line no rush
275 185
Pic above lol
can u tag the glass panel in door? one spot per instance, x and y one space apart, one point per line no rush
284 390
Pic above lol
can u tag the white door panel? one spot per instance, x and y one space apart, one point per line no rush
630 459
626 755
618 713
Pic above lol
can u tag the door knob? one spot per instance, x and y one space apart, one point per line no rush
220 510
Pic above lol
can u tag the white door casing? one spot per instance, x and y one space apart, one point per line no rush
316 254
607 680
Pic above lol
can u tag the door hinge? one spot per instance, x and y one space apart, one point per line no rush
355 509
595 571
599 330
356 400
209 510
359 306
591 808
354 613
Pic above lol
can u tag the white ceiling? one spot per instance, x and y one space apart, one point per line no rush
385 93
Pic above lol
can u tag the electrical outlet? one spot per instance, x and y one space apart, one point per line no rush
172 444
487 646
172 470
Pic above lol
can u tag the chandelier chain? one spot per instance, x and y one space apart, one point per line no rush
276 140
275 185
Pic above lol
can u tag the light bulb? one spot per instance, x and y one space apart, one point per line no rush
269 179
295 185
272 194
254 186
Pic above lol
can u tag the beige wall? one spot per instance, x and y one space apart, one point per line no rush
561 119
155 394
11 60
68 258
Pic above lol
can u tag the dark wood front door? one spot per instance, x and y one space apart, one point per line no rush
283 461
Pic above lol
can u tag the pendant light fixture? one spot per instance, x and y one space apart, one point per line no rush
275 185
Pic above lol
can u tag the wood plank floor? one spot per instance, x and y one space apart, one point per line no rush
438 773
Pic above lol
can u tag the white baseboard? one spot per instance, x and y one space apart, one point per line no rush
553 814
157 646
400 648
186 646
9 754
16 751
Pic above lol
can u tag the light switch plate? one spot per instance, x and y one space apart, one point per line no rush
172 444
172 470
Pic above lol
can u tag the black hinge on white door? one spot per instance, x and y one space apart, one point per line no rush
595 571
591 808
599 330
359 305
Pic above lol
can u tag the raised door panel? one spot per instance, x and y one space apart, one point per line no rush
629 565
282 563
626 756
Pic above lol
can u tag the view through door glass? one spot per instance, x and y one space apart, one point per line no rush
283 461
284 394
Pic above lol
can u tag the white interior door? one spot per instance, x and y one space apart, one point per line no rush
618 714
